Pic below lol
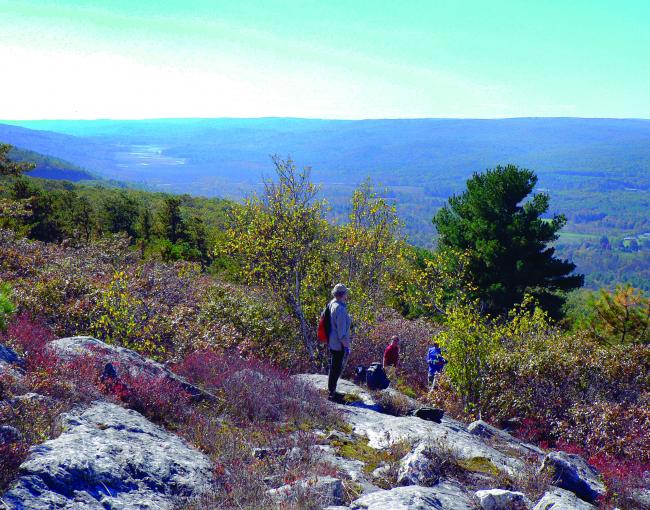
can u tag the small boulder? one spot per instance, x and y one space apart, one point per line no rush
560 499
571 472
264 453
429 414
483 429
500 499
10 357
382 471
641 497
11 363
32 400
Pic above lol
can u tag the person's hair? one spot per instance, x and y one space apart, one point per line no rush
393 338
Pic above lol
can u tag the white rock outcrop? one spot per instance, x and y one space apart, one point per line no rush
109 457
444 496
500 499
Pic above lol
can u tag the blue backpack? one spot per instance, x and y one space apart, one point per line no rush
435 360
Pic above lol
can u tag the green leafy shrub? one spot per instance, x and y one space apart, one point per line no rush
6 305
575 388
117 316
468 341
254 323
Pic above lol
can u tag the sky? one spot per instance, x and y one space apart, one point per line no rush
131 59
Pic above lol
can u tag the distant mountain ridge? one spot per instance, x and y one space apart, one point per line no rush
396 152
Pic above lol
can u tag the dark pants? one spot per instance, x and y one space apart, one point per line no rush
336 367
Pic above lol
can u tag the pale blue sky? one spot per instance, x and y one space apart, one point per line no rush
329 59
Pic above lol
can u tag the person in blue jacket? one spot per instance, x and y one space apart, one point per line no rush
436 363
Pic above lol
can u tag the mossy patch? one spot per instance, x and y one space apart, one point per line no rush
351 398
478 465
346 428
358 449
407 390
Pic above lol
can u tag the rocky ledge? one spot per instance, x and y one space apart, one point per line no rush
483 456
109 457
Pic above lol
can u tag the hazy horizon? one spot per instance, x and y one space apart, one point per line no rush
124 119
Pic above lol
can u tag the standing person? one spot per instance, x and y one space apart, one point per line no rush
436 363
391 354
340 336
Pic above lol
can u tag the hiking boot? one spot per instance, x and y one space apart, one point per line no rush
336 397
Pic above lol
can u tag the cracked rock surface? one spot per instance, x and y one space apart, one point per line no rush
109 458
444 496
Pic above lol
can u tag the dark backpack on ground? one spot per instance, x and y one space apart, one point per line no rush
325 324
376 377
429 414
360 373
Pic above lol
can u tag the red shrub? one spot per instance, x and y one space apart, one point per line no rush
205 368
612 468
161 400
622 478
255 390
27 334
532 430
73 380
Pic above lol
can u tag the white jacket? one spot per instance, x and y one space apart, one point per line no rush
340 334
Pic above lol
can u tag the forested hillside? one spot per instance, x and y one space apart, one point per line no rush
597 170
48 167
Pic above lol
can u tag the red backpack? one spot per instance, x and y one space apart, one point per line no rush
325 325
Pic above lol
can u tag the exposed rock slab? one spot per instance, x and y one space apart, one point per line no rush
109 458
641 497
352 468
9 434
382 430
487 431
121 359
571 472
319 382
444 496
560 499
500 499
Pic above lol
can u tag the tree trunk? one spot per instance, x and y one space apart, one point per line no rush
305 332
